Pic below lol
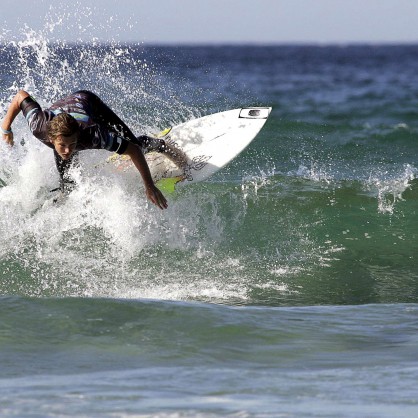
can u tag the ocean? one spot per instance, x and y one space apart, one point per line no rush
286 285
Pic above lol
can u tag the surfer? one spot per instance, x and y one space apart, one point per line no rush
83 121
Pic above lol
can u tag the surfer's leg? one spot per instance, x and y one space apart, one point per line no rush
66 184
170 150
176 155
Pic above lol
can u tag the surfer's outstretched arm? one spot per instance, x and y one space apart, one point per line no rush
152 192
12 112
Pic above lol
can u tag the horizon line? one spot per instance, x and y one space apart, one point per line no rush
225 43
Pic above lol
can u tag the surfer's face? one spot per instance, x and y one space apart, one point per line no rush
65 145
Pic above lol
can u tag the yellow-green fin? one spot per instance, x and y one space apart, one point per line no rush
163 133
168 185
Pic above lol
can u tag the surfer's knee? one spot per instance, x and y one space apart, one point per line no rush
87 93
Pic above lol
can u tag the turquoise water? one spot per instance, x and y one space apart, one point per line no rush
285 285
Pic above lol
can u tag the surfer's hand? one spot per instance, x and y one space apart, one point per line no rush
156 197
8 138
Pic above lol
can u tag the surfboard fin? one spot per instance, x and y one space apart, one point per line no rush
168 185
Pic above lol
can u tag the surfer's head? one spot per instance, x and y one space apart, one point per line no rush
63 132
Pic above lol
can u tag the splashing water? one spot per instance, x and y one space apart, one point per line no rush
87 242
389 191
49 68
249 237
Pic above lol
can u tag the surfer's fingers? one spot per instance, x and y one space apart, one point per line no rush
156 197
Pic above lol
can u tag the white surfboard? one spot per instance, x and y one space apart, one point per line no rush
209 143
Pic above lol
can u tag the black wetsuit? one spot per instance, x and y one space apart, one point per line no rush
100 127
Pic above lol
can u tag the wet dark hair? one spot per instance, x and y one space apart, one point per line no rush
62 125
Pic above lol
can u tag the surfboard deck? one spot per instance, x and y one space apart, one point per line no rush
209 142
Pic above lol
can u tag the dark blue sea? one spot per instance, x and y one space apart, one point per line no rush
286 285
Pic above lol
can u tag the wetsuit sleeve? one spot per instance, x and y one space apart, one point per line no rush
36 118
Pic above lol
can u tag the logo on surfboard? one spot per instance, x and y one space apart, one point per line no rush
196 164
